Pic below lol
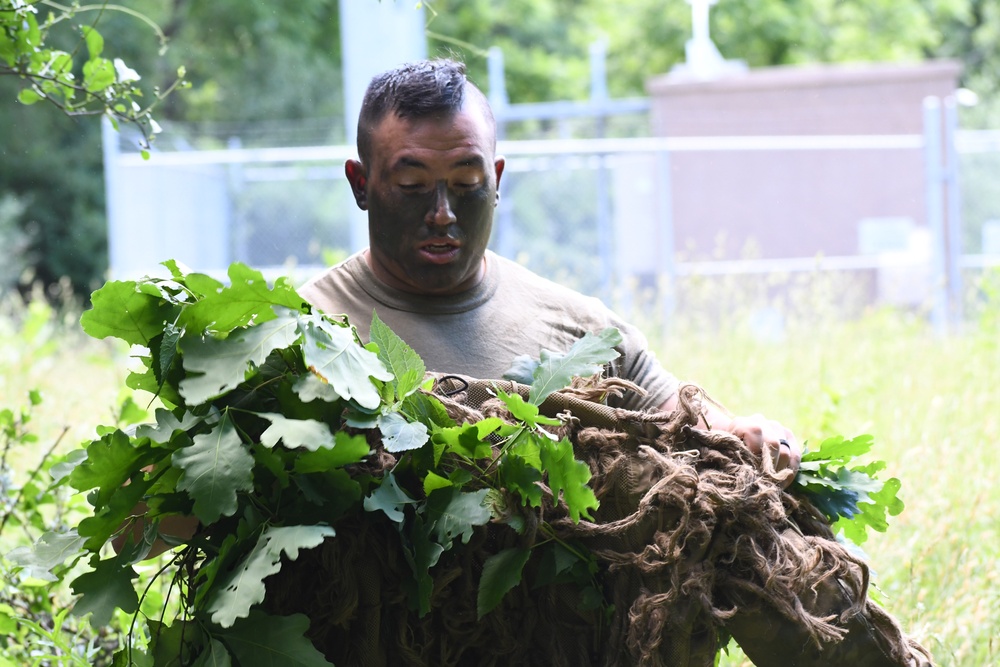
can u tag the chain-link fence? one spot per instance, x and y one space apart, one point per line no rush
650 224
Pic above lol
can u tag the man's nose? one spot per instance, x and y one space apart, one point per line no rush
441 213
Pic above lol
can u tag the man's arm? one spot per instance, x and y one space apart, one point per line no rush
757 432
176 526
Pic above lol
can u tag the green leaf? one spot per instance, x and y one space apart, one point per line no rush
272 641
428 410
586 357
247 300
389 498
501 572
29 96
522 370
557 561
169 645
840 449
131 412
167 424
873 514
131 656
50 551
398 357
244 586
346 450
835 502
568 476
214 655
63 467
122 311
98 74
203 285
399 435
332 353
110 462
433 481
107 520
859 482
521 478
95 42
107 588
216 467
210 570
468 440
524 411
453 513
223 363
168 349
421 553
295 433
888 497
310 388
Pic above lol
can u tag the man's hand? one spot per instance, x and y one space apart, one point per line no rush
766 437
175 526
760 435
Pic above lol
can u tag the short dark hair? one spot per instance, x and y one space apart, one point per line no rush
415 90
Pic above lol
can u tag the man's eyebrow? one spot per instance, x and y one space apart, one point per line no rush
406 162
471 161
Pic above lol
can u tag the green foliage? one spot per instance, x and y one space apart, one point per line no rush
243 586
266 408
545 42
93 85
501 573
851 498
36 627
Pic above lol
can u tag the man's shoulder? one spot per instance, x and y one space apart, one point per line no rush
527 284
334 281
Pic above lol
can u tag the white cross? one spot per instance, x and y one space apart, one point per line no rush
699 19
703 59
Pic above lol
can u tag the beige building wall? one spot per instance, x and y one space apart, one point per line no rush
795 203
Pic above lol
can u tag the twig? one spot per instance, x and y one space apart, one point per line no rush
31 477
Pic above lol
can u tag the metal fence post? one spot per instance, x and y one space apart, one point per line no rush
667 277
953 195
605 233
504 231
497 89
111 150
934 173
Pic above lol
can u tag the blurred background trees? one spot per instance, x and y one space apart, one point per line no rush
252 61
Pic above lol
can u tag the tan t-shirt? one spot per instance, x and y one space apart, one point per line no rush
480 332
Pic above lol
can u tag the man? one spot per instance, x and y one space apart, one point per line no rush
429 178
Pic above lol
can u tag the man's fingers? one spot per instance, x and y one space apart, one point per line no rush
765 437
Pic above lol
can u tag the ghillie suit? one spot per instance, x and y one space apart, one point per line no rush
694 541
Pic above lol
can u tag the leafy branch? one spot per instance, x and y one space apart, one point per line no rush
271 417
268 410
851 497
108 87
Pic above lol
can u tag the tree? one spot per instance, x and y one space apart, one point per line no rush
233 50
74 83
545 41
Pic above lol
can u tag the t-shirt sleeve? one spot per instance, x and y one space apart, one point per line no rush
639 364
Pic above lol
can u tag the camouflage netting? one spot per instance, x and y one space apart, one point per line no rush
694 538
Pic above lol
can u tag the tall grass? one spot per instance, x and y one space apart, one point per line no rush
81 379
930 401
933 405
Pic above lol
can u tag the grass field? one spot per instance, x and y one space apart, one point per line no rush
930 401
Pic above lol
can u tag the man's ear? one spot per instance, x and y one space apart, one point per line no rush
498 164
358 179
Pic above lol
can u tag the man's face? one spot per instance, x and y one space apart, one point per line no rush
430 190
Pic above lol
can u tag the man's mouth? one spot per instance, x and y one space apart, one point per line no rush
439 251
